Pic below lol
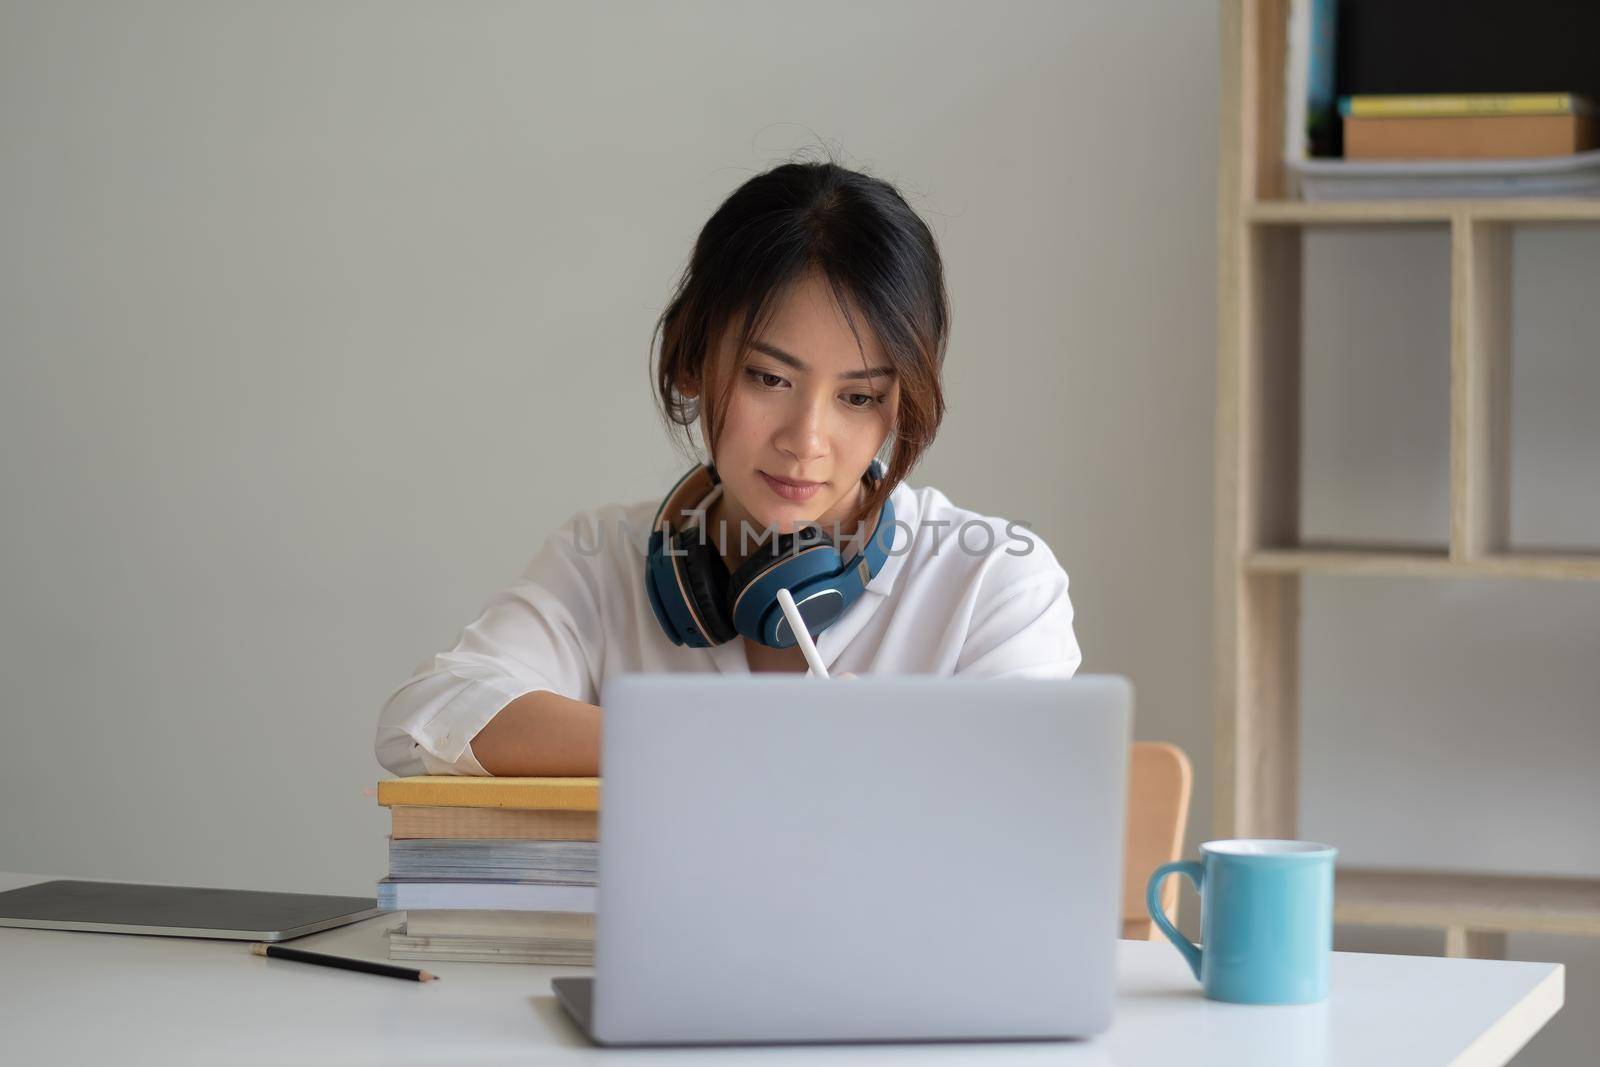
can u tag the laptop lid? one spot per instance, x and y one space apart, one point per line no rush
784 858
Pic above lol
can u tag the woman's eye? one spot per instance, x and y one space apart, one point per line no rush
854 401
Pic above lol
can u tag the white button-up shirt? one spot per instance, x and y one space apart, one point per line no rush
960 593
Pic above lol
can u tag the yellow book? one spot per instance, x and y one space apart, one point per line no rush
470 791
407 821
1440 105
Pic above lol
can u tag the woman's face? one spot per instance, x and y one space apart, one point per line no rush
806 408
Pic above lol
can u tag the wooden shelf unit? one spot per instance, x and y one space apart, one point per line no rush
1405 563
1547 904
1381 212
1475 910
1258 556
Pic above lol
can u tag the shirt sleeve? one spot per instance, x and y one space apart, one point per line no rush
544 631
1024 628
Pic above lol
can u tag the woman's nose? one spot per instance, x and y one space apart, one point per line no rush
805 428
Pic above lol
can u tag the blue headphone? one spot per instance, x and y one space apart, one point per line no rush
699 604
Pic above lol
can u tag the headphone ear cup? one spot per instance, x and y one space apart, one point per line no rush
705 579
782 546
759 561
790 560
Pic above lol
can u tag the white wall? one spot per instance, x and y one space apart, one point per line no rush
318 317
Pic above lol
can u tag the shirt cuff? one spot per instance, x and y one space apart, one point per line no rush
464 764
444 742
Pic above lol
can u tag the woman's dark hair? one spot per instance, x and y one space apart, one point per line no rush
874 252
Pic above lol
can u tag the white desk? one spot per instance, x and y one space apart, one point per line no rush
89 998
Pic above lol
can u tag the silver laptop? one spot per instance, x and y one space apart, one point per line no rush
906 858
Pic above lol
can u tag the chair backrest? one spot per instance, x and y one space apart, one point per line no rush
1159 782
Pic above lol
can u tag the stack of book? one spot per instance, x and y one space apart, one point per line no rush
1460 145
492 869
1468 125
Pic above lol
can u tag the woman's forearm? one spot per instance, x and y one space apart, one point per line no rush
541 734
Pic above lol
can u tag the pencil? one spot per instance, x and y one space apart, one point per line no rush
388 970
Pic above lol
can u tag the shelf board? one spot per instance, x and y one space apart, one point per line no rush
1355 212
1419 563
1438 899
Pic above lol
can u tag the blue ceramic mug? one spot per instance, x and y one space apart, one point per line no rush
1266 919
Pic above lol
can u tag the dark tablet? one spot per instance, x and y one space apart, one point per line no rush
178 911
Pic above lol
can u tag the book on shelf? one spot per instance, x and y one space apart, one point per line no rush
1468 126
1462 105
1470 137
497 870
1444 146
1311 118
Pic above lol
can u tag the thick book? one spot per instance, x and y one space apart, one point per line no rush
398 895
412 821
1469 137
1446 105
550 952
556 861
470 791
470 922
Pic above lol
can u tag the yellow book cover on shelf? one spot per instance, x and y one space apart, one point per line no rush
531 794
1441 105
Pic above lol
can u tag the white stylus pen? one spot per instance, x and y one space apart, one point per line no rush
801 635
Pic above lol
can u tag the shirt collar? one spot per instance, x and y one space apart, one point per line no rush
906 516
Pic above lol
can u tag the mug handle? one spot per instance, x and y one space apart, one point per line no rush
1196 873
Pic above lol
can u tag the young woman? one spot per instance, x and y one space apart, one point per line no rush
806 339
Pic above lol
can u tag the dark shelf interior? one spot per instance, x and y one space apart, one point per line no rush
1468 46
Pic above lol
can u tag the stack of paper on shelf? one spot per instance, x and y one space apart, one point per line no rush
492 869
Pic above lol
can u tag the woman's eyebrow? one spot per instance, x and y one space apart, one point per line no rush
783 357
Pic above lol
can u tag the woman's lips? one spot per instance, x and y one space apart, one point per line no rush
790 491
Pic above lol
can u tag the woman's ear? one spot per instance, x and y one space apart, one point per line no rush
688 388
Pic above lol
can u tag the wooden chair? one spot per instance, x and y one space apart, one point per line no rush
1160 778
